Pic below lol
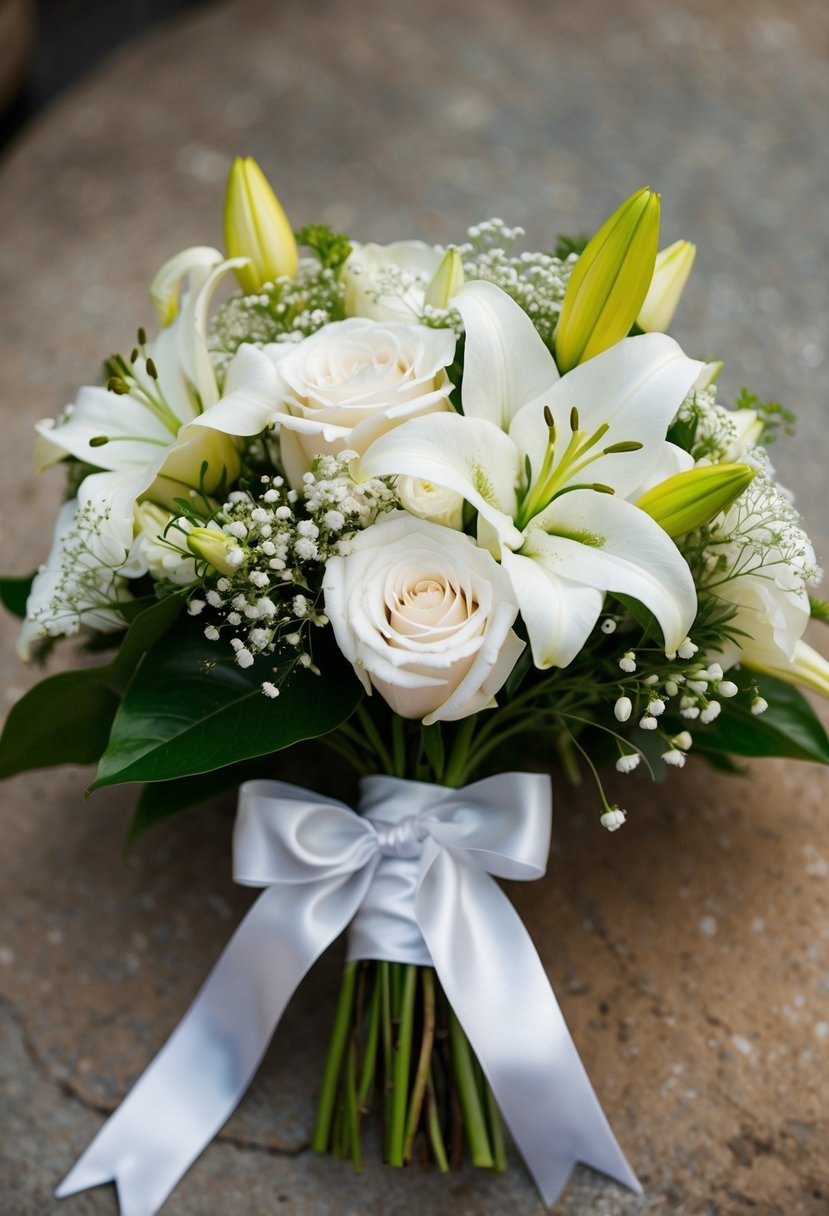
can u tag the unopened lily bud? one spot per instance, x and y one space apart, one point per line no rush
609 282
216 548
447 281
256 227
689 500
671 273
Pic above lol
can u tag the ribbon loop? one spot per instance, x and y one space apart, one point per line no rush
413 878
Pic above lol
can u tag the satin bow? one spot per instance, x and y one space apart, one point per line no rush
413 876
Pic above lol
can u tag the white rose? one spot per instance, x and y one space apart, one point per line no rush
425 617
388 282
429 501
352 381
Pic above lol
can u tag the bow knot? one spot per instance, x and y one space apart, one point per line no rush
403 839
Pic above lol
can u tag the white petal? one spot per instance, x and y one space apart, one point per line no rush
636 387
604 542
506 364
166 286
468 455
670 461
193 352
558 613
251 395
134 434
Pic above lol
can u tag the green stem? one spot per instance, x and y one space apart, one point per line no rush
426 1044
473 1113
352 1112
496 1131
384 981
372 1037
402 1064
398 735
373 736
433 1125
456 765
333 1061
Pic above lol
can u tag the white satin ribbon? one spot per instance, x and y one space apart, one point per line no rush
413 877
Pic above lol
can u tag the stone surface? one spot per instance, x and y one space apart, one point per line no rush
690 951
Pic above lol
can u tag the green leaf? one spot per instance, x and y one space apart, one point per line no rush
66 718
14 592
191 709
789 727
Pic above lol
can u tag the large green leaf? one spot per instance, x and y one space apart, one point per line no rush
789 727
14 592
190 709
66 718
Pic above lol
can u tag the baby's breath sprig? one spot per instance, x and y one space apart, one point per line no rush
262 556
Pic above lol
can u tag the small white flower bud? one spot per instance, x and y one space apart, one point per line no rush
236 643
712 710
687 649
613 819
759 705
211 633
648 723
628 662
692 711
244 658
671 688
715 672
656 707
270 690
623 709
627 763
683 740
726 688
195 607
674 757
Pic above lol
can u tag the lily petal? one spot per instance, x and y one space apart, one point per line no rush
636 387
469 455
604 542
506 364
108 431
251 395
559 614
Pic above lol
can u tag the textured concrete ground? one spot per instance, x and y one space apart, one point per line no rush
689 951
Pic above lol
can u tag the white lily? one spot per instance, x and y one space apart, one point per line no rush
138 432
550 463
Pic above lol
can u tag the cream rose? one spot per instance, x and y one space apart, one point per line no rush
425 617
429 501
388 282
352 381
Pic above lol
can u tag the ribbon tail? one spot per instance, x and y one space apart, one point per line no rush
197 1079
496 984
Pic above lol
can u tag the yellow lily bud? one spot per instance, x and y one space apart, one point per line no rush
446 281
256 227
609 281
689 500
216 548
670 274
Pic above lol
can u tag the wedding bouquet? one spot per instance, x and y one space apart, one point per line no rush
452 513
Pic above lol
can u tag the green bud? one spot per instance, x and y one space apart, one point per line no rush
446 282
256 227
689 500
671 273
609 282
214 547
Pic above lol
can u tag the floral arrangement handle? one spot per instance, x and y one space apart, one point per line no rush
413 876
